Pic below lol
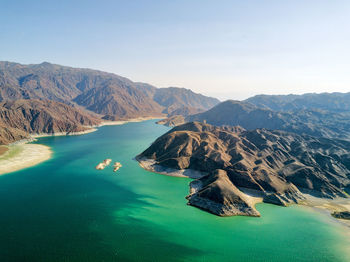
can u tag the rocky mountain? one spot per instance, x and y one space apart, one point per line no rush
175 120
315 122
9 135
276 165
181 101
333 102
19 118
110 95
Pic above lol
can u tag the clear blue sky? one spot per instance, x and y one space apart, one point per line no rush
229 49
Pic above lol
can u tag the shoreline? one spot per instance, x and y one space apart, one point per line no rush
3 150
131 120
33 136
150 165
320 205
20 156
91 128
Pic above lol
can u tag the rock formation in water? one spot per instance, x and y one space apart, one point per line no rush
277 165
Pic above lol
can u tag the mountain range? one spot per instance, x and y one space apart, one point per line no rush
103 93
333 102
98 94
316 122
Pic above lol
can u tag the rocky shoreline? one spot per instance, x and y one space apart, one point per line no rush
281 168
338 208
152 166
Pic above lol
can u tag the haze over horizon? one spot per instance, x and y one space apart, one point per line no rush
230 50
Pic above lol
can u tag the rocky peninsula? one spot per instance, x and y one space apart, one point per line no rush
238 165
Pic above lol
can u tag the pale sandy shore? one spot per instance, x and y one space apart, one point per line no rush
121 122
23 155
3 150
150 165
329 206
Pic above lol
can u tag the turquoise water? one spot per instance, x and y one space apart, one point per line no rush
65 210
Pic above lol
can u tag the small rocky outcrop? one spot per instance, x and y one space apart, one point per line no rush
216 193
341 215
291 195
172 121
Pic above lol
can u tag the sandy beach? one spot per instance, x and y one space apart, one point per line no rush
121 122
328 206
23 155
3 150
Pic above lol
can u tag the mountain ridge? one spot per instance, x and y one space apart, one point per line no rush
280 166
22 118
315 122
104 93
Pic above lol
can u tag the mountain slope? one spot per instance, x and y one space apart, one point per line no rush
20 118
182 101
275 163
103 93
311 122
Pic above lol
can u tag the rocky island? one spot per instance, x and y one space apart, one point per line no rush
239 166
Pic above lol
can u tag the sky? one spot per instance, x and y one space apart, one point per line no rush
227 49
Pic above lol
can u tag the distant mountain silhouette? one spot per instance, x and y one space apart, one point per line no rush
334 102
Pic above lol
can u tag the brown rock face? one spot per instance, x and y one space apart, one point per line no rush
20 118
104 93
342 215
111 96
181 101
216 193
278 164
9 135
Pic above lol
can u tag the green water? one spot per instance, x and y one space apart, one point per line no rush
65 210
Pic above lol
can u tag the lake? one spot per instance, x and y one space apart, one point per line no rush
65 210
